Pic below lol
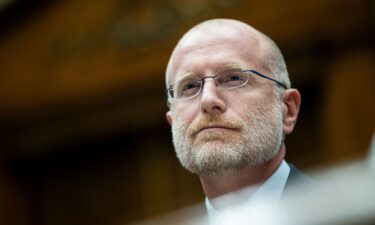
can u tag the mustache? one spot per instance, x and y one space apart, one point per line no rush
213 121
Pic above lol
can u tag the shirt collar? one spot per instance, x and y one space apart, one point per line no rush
268 193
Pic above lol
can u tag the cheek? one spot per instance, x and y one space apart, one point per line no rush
259 95
243 103
185 112
254 102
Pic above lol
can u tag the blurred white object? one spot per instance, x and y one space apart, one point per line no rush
371 155
346 196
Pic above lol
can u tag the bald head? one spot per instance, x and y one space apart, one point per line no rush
224 120
251 43
226 29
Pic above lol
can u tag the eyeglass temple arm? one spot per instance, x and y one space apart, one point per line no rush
268 78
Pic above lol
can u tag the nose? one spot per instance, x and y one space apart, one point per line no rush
211 101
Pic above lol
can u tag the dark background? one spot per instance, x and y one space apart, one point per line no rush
84 138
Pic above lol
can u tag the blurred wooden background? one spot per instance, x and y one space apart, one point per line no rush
82 107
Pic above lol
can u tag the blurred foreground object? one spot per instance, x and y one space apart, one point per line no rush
371 159
346 197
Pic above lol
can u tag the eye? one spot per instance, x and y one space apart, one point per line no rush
232 79
188 88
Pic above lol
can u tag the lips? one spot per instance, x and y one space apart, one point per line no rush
214 127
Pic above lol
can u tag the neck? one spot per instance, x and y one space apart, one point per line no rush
215 186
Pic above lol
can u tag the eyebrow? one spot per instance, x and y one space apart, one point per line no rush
185 75
225 66
232 66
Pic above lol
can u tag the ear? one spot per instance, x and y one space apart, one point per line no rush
291 103
169 117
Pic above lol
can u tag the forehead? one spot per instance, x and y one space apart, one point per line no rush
211 50
208 34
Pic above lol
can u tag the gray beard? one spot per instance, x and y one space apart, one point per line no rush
218 154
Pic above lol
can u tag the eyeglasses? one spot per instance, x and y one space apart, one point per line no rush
190 87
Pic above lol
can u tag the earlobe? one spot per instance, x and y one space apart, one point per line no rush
291 105
169 117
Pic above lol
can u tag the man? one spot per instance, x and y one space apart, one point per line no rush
231 106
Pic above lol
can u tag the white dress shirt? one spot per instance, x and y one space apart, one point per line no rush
251 205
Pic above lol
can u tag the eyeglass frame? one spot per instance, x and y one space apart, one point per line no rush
215 76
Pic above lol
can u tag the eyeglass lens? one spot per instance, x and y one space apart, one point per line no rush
191 86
